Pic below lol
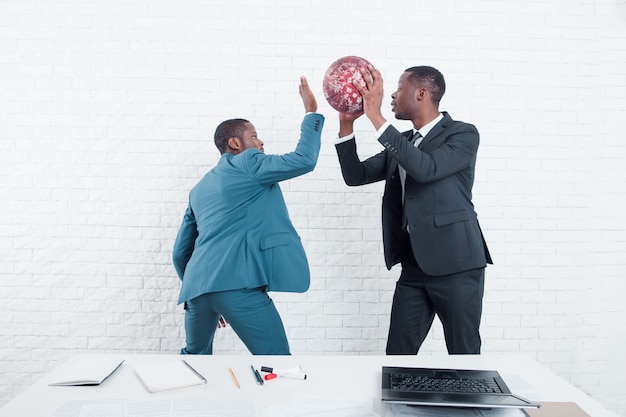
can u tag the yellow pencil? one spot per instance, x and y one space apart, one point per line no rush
232 375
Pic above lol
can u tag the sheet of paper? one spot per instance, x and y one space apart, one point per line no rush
319 407
407 411
167 375
184 407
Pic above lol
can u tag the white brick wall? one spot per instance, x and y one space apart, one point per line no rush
107 110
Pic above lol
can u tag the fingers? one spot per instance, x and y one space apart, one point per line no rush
375 73
372 93
362 89
308 98
304 84
371 77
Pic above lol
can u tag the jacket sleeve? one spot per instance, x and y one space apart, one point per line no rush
455 154
185 242
270 169
357 172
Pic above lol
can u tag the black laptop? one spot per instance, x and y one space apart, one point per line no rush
448 388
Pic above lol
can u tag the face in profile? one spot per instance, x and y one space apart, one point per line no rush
250 138
403 103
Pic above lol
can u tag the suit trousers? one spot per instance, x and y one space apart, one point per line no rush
456 299
251 314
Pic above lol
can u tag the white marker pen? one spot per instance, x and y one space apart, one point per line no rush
295 372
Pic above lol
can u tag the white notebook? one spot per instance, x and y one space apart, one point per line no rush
87 371
168 375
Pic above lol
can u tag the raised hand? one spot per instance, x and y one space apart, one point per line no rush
372 93
308 98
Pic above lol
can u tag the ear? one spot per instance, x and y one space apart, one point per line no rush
234 143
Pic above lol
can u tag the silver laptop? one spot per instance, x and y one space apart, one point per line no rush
449 388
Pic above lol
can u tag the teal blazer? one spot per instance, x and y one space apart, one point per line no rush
236 232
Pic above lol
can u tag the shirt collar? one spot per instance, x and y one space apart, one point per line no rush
428 126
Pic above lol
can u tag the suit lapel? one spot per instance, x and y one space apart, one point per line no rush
435 136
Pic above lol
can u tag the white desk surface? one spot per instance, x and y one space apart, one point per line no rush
332 377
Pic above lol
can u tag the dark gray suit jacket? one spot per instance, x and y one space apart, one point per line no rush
445 235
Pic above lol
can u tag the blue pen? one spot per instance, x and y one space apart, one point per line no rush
257 376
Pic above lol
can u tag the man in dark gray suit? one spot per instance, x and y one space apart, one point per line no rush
428 218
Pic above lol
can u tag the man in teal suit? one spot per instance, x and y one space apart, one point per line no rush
236 241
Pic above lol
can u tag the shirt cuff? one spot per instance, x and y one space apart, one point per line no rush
344 138
384 127
379 132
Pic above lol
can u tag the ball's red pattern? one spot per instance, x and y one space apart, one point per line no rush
338 86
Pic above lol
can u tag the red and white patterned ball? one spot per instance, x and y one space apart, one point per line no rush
338 86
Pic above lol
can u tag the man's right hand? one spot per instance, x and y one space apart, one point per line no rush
372 93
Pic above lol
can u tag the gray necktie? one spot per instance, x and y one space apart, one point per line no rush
416 139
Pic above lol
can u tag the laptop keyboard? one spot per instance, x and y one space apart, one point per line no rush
420 383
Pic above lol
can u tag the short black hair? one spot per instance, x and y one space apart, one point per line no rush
232 128
429 78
